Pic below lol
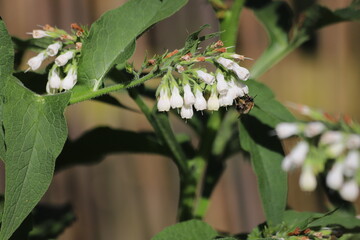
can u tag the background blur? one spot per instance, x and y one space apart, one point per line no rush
135 196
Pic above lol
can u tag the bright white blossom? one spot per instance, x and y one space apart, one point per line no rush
200 101
35 62
64 58
288 164
336 149
285 130
307 179
53 49
70 79
226 99
351 163
189 98
163 103
349 191
313 129
226 63
213 102
37 33
186 111
54 78
335 178
353 141
236 88
176 101
331 137
299 152
206 77
222 85
241 72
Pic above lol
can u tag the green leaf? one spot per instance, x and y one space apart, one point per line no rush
257 137
112 35
94 145
189 230
50 221
35 132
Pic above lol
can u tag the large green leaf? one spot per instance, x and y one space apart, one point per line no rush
112 36
35 132
189 230
257 137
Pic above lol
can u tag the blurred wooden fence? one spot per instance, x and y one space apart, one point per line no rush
135 196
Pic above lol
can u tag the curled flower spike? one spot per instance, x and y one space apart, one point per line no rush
206 77
53 49
64 58
176 101
70 79
163 103
35 62
200 101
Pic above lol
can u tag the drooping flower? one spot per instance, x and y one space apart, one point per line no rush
299 152
54 78
313 129
35 62
200 101
53 49
37 33
307 179
206 77
163 103
213 102
176 101
331 137
186 111
349 191
335 178
353 141
285 130
189 98
70 79
226 99
222 85
64 58
241 72
351 162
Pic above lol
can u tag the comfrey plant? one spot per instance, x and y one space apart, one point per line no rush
200 86
328 146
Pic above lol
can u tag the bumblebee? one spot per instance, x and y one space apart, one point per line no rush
244 104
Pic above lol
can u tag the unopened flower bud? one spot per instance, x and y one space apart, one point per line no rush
176 101
39 33
307 179
313 129
349 191
285 130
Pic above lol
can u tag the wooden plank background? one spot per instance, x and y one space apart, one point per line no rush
135 196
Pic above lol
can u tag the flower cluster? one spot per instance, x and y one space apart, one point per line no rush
198 89
65 48
324 147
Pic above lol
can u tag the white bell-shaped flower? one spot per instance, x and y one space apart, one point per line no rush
331 137
351 163
206 77
241 72
176 101
226 99
70 79
54 78
287 164
189 98
307 179
64 58
353 141
37 33
336 149
349 191
299 152
226 63
213 102
200 101
35 62
285 130
222 86
186 111
53 49
335 178
236 88
313 129
163 103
